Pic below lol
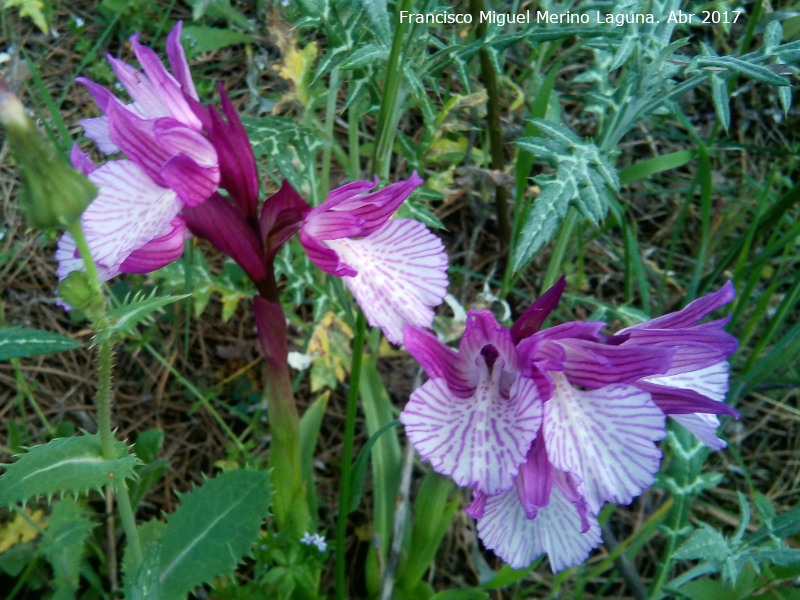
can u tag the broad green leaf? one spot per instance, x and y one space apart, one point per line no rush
199 39
16 342
63 540
659 164
310 425
360 466
433 515
386 455
136 310
507 576
215 527
65 466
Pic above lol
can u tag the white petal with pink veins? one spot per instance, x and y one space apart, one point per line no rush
129 211
401 275
605 438
556 531
704 427
712 381
479 440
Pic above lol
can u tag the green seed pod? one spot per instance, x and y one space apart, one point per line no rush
53 193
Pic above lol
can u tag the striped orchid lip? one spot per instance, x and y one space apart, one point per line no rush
547 426
396 269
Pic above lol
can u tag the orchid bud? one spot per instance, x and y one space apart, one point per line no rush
53 193
77 292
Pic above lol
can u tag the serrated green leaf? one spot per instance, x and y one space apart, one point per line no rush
703 543
213 529
16 342
138 309
742 67
149 535
147 585
199 39
583 175
719 92
541 225
63 541
65 466
371 54
379 17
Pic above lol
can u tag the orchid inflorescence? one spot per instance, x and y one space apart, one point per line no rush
545 426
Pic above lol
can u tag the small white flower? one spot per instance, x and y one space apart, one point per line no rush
315 540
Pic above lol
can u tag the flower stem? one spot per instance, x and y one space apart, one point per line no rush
330 116
388 117
489 76
76 231
554 269
105 357
347 457
128 518
105 360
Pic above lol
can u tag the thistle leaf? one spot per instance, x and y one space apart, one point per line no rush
213 529
138 309
24 343
63 541
65 466
583 178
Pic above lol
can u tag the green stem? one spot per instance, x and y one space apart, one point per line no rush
347 457
330 116
554 269
291 508
76 230
493 103
128 517
354 164
387 118
105 361
105 357
679 514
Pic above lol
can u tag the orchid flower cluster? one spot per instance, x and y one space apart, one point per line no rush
546 426
181 153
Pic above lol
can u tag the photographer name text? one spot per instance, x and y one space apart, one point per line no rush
706 17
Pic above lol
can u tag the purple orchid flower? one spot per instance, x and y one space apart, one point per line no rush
396 269
134 226
601 401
